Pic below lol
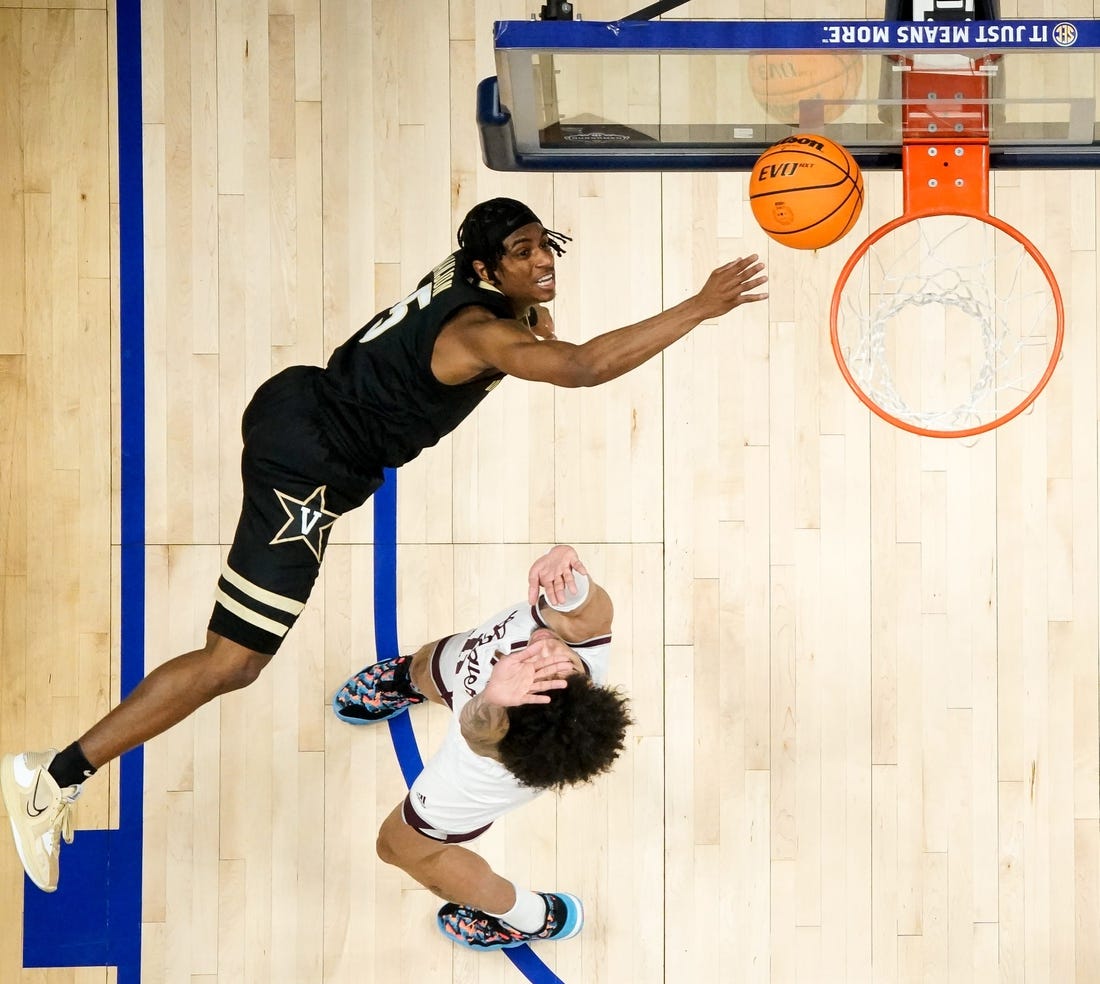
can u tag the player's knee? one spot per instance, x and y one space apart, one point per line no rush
391 846
241 674
232 667
384 848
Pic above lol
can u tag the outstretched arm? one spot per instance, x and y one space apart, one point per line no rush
476 342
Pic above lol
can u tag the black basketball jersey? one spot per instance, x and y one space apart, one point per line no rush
383 404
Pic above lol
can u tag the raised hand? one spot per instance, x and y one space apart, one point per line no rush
553 573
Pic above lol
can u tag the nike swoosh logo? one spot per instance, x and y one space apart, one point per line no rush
32 807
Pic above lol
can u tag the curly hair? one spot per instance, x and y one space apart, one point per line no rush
573 739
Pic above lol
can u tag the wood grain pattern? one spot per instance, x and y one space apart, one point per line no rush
863 665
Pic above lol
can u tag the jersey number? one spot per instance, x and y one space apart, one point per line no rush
391 317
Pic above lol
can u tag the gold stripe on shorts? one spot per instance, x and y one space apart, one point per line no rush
262 595
248 615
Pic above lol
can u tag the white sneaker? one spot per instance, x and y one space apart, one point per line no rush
39 810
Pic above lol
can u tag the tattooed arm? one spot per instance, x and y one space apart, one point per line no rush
483 725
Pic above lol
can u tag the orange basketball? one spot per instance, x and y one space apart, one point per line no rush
779 81
806 191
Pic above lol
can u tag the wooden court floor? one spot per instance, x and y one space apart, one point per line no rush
864 665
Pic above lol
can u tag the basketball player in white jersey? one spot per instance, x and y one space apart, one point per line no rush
532 712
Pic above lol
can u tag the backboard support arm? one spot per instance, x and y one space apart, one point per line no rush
654 10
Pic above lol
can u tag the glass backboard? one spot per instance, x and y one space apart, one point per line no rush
697 95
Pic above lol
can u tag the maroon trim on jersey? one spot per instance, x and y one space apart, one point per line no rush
587 643
421 826
437 676
604 640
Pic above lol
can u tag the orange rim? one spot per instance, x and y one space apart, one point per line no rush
861 251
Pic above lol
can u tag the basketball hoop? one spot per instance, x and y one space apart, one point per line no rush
947 321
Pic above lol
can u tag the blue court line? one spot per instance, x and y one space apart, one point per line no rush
94 917
386 646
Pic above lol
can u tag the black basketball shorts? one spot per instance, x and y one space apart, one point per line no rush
295 488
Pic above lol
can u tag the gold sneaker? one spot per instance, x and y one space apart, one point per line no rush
40 811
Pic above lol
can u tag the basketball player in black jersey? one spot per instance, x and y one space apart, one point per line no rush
316 442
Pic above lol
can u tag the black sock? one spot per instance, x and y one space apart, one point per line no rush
70 768
402 678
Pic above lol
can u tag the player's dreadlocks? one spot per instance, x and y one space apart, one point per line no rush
488 224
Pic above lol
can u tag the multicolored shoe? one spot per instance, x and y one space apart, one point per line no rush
480 931
40 812
381 691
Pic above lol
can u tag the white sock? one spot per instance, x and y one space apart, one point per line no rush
528 915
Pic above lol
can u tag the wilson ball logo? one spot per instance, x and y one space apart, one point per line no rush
801 141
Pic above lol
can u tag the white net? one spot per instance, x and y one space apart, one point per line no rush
947 324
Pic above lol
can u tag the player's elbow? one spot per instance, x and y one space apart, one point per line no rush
596 362
569 366
595 376
584 371
578 380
